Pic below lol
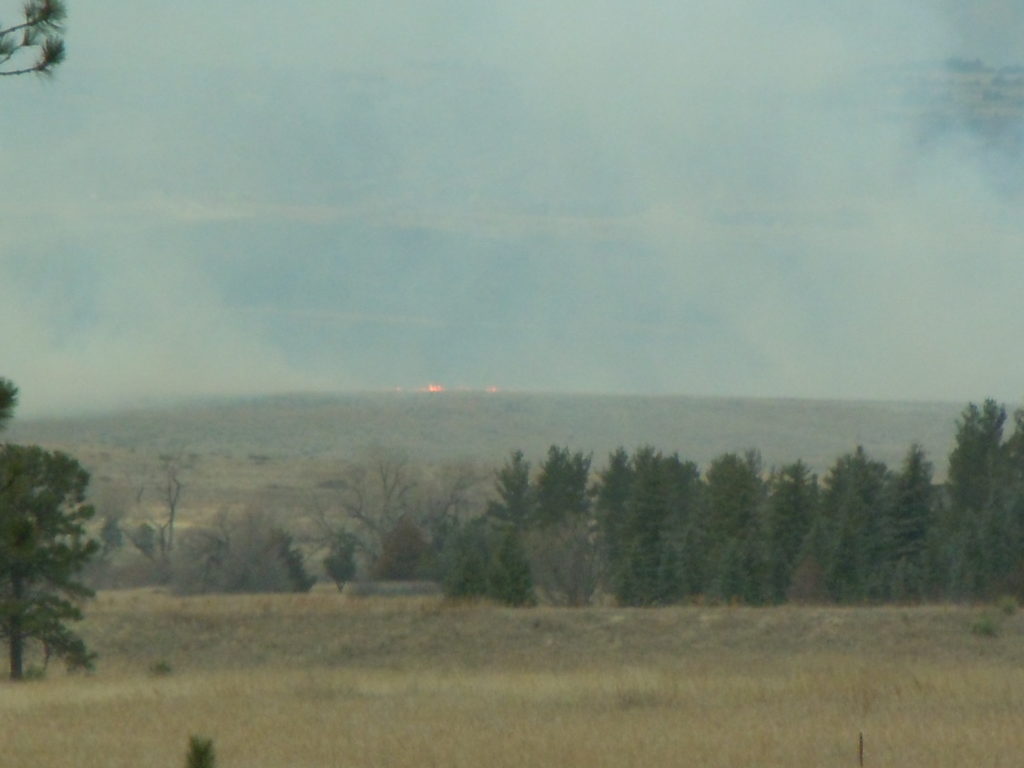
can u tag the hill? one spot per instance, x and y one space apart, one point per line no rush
485 427
275 451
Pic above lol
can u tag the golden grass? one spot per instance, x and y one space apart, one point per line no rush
322 680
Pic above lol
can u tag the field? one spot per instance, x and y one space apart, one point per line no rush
329 680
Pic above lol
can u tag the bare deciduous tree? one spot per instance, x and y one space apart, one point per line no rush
366 501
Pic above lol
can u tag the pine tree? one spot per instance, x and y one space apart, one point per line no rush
467 559
612 494
515 505
39 33
561 542
976 464
43 549
510 580
8 399
909 524
854 503
735 501
791 509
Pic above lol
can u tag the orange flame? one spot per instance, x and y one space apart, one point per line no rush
435 388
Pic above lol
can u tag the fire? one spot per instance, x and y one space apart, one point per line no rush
435 388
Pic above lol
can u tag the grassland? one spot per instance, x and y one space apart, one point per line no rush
328 680
282 445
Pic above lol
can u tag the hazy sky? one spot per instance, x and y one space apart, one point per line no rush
735 197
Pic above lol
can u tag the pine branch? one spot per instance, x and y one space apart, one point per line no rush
42 17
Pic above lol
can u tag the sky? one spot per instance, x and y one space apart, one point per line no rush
738 198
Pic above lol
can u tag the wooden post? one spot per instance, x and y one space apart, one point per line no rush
860 749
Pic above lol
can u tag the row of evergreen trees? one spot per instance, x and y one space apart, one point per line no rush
651 529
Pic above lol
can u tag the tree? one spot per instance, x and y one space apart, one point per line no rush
515 504
340 562
854 504
43 549
562 541
645 508
402 554
735 499
38 34
510 580
8 399
976 464
243 553
791 509
467 561
366 502
909 525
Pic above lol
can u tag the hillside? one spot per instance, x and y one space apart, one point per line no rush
275 451
481 427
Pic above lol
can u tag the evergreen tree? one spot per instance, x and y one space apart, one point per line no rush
612 494
648 537
561 491
43 549
976 465
853 504
467 561
562 542
791 509
37 34
911 515
735 500
8 399
515 505
510 580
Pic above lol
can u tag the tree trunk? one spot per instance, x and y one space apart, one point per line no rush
16 645
15 632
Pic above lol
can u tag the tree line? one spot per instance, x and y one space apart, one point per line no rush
647 528
650 528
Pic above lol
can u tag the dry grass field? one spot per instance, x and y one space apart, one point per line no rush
329 680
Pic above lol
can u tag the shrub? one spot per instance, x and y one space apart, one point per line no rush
243 553
403 550
467 562
985 626
1007 605
200 753
340 563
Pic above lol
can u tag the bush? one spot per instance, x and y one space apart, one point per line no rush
200 753
245 553
467 562
985 626
340 563
1007 605
403 550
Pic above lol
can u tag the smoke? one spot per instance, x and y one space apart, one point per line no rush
744 198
